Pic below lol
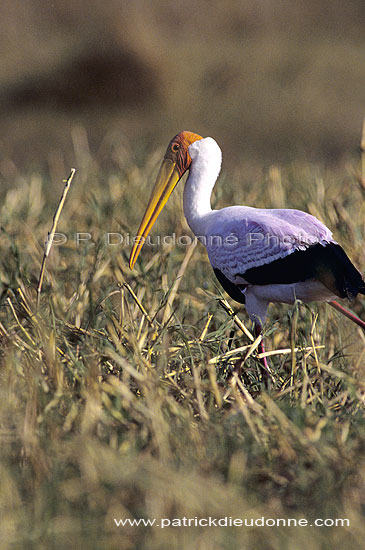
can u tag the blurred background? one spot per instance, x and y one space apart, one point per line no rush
271 81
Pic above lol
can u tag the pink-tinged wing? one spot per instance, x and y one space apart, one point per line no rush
239 238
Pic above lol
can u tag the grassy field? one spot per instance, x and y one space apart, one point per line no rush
108 411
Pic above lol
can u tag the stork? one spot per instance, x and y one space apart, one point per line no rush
258 255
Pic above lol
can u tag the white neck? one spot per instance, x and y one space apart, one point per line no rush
206 159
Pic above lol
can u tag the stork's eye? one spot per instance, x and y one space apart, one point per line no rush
175 147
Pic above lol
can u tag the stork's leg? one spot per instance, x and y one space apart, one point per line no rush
348 314
266 371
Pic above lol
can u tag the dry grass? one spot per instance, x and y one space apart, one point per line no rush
109 411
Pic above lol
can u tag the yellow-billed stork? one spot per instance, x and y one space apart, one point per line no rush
258 255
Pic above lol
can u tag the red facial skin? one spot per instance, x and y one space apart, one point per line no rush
178 152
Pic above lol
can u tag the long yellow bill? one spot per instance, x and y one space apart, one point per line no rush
167 179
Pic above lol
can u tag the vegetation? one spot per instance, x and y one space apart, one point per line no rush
120 396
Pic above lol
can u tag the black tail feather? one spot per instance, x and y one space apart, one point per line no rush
328 263
348 279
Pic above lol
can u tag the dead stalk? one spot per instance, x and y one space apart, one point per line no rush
175 286
52 232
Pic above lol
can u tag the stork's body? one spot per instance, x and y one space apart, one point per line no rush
243 242
258 255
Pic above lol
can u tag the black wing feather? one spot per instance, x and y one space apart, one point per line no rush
328 263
